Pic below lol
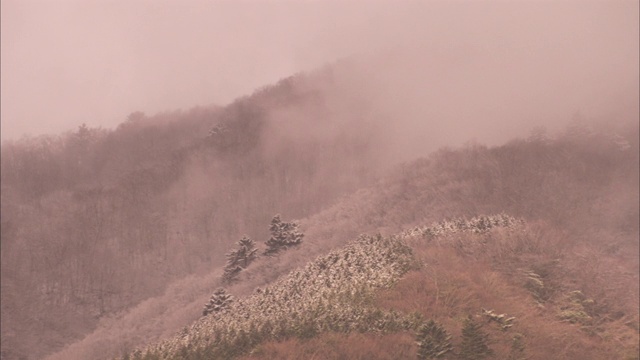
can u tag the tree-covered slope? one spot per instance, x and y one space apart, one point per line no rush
95 221
372 298
568 275
333 293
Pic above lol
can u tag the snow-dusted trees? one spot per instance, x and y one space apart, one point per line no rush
283 235
333 293
240 258
219 301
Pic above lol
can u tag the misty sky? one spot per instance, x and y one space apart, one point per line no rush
68 62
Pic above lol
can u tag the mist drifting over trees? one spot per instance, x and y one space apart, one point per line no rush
165 136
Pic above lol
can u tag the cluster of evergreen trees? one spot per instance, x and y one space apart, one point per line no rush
218 302
434 342
283 236
239 259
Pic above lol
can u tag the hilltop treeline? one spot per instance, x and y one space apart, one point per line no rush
581 179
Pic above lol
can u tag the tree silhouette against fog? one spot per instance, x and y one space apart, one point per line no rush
283 236
240 258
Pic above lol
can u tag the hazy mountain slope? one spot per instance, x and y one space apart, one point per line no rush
570 278
583 180
94 221
463 268
578 193
331 293
554 315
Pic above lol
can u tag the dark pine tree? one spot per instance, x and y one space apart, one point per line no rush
239 259
219 301
434 342
283 235
474 341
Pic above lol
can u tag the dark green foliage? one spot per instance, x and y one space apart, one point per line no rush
283 235
434 342
239 259
218 302
474 341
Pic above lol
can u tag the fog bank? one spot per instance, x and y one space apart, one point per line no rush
492 65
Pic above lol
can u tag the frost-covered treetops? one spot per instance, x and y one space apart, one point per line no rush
239 259
331 293
283 235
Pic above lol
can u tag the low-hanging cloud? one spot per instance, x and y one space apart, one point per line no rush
486 67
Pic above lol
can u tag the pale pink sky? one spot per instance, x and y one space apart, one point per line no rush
68 62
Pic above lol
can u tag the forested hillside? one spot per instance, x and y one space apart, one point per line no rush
95 220
98 224
569 274
319 180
